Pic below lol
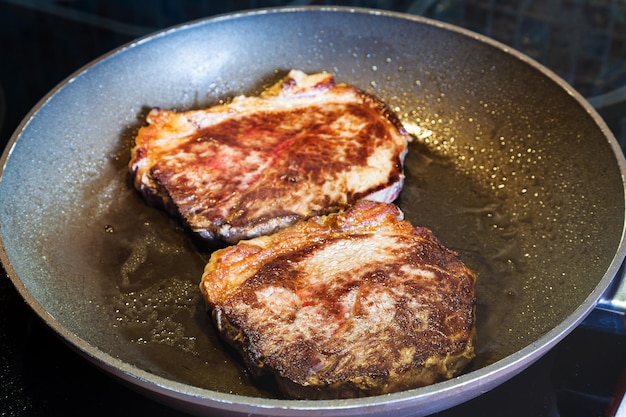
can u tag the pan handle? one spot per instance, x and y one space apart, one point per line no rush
610 312
614 299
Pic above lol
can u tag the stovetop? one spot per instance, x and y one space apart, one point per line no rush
44 41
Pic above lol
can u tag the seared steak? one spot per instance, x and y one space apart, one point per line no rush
306 146
350 304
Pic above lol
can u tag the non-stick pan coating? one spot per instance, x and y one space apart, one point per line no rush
509 167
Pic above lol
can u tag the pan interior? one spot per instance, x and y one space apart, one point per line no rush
506 167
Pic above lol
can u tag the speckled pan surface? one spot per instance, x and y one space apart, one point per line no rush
509 166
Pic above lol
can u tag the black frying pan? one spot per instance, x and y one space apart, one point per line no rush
510 167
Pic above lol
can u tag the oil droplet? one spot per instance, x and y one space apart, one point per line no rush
160 314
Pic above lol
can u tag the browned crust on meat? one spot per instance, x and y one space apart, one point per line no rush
351 304
304 147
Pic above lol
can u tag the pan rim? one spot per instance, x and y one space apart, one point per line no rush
239 403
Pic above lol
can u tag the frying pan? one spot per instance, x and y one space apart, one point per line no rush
509 166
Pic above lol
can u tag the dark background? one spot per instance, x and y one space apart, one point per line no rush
43 41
